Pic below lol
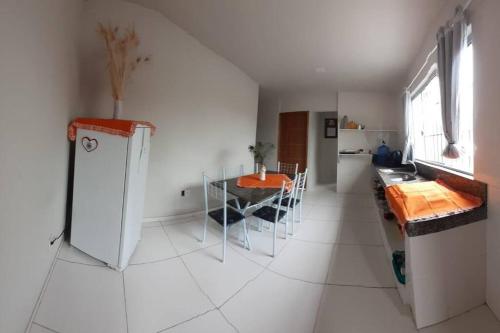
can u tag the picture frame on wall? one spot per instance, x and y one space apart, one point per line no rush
331 130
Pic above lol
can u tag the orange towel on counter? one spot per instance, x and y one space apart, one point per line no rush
415 201
120 127
272 181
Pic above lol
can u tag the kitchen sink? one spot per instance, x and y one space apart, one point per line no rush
401 176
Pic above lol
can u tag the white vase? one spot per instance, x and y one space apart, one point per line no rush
118 109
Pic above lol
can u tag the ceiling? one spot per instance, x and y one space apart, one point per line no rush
328 45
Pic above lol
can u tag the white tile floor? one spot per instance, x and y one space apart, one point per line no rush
333 276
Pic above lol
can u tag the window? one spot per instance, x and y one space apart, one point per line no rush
426 123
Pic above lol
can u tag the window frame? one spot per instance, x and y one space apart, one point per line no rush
431 74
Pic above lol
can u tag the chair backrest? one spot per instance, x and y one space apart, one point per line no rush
216 190
301 184
288 168
233 172
291 184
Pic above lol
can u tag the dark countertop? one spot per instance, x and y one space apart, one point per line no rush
433 225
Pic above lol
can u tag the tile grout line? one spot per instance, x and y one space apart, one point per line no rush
45 327
218 308
194 280
185 321
227 320
215 308
44 288
264 269
125 300
81 263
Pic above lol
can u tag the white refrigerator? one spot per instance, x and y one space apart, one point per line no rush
108 194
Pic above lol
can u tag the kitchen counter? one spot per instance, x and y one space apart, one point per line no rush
433 225
442 255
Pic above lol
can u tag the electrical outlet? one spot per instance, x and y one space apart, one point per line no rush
185 193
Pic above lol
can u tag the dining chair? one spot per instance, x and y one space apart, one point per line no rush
234 172
288 168
294 199
274 215
291 200
225 216
301 186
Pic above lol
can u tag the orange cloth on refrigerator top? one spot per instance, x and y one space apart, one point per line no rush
410 202
272 181
120 127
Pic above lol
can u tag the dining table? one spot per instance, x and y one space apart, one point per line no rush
253 196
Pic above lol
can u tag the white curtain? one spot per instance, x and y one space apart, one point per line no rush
450 43
408 150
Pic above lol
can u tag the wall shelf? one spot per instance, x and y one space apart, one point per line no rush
367 130
358 154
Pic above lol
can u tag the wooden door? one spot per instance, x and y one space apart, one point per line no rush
292 139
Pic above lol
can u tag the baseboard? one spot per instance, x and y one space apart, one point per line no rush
171 217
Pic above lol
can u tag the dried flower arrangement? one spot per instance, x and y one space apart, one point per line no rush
121 49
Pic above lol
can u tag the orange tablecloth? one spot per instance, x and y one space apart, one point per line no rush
272 181
415 201
120 127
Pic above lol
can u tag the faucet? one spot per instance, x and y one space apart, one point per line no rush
414 166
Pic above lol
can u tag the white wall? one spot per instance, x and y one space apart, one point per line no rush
267 128
486 25
38 98
205 108
375 111
327 152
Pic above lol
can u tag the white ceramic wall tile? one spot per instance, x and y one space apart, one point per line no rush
72 254
360 265
304 261
478 320
160 295
427 259
468 289
274 304
220 280
447 272
430 303
363 310
186 237
492 277
493 222
82 298
153 246
212 321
